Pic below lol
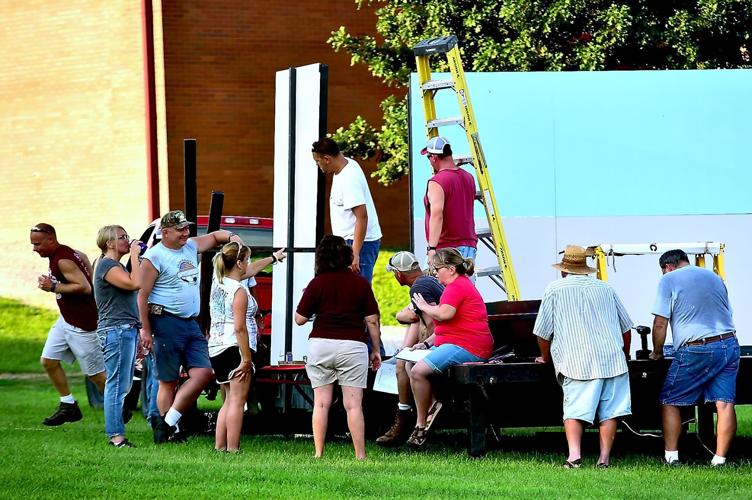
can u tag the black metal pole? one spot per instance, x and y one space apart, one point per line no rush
215 220
321 179
190 189
290 261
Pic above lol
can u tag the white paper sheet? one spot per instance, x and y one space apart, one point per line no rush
412 356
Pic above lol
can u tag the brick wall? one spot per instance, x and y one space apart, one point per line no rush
220 60
72 119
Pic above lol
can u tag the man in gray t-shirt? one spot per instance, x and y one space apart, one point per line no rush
695 302
168 304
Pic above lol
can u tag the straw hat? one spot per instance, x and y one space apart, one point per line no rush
574 261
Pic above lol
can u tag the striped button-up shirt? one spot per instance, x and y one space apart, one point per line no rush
584 320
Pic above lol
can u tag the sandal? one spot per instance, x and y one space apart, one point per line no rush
418 437
574 464
601 465
432 412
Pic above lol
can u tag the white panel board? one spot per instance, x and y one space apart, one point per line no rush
305 178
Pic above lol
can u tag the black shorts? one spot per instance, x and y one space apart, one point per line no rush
225 362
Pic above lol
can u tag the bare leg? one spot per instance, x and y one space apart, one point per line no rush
573 430
403 378
322 401
190 390
422 391
57 375
220 433
234 416
726 428
606 433
99 380
671 427
352 399
403 383
166 395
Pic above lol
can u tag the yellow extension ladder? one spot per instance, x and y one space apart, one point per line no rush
494 237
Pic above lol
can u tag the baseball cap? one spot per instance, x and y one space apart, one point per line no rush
175 219
435 146
403 262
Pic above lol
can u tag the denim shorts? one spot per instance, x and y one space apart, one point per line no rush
177 342
605 398
707 371
442 357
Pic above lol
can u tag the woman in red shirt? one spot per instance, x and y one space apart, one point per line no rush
461 334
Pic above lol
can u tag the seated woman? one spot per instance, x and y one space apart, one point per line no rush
461 334
233 336
115 292
344 306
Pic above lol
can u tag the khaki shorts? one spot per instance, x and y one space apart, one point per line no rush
69 343
343 361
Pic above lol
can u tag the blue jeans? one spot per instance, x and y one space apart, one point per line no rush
369 252
707 370
151 387
177 342
119 343
442 357
468 252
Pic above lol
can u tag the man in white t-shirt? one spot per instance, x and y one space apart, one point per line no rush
351 209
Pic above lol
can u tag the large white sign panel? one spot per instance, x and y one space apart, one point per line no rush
299 110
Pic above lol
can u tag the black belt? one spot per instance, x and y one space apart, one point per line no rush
159 310
714 338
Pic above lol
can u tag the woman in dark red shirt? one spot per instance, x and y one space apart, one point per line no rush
344 306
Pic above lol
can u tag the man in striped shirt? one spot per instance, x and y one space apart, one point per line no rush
584 328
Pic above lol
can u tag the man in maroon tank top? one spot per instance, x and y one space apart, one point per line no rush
73 336
449 200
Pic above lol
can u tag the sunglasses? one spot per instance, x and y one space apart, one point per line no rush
39 230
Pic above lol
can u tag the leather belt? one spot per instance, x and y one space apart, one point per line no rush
159 310
714 338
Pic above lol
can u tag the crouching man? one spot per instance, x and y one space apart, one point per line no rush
583 326
407 272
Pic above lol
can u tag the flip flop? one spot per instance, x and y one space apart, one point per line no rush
432 412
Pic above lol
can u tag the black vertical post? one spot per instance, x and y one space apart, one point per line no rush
191 192
215 220
323 104
290 261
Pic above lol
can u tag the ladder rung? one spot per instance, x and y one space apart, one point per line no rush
439 45
463 159
442 122
479 196
488 271
438 84
484 232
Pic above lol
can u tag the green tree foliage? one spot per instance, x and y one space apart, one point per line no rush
535 35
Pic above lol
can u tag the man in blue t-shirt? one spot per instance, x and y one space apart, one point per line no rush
407 272
168 305
695 301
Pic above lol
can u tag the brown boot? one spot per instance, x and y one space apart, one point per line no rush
400 430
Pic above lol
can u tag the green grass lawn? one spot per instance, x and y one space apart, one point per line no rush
23 330
73 461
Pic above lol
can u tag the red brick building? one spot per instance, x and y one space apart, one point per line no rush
73 105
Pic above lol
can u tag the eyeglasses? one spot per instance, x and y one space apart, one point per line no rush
123 237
